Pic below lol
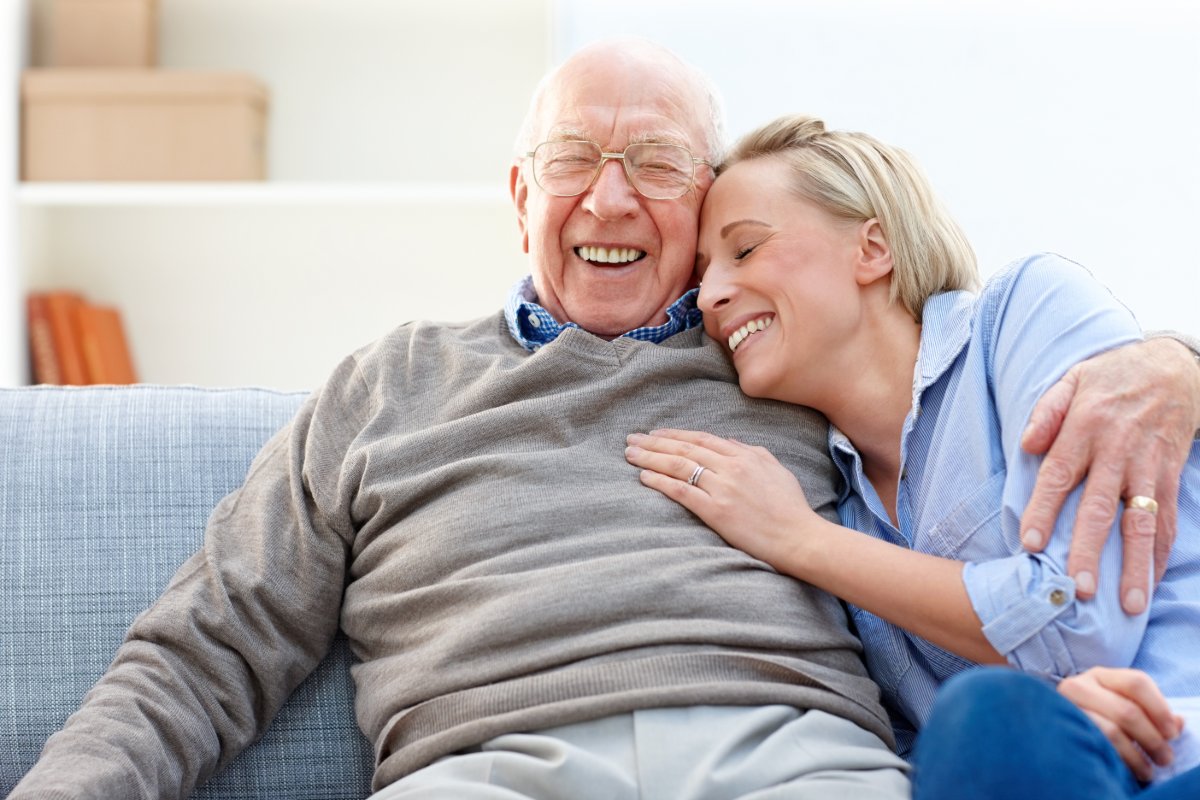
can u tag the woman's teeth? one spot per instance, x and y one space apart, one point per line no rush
753 326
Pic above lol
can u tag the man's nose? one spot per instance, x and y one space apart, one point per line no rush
611 196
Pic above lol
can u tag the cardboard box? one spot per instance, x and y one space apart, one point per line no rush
104 33
142 125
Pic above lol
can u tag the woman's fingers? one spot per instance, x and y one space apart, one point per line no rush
686 468
691 497
1129 709
666 474
684 440
1142 690
1129 752
682 455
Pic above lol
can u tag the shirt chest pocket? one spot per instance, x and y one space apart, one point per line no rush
972 525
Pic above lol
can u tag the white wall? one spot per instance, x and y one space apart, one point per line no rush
1064 125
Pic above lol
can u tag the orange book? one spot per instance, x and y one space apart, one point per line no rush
103 344
61 308
42 359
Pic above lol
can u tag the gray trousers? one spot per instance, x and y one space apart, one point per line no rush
694 753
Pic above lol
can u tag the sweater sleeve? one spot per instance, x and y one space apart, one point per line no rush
203 671
1187 340
1052 314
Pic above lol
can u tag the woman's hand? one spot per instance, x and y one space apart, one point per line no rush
1127 706
743 493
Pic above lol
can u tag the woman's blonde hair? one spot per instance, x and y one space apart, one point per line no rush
856 177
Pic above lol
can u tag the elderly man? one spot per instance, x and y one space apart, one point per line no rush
530 621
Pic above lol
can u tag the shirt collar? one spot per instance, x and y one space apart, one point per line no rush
533 326
945 331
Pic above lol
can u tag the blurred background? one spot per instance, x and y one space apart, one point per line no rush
1064 125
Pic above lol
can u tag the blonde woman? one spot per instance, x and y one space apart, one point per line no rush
839 282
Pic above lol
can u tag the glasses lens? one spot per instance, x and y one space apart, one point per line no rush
659 171
565 168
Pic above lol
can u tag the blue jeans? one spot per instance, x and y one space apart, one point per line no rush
998 733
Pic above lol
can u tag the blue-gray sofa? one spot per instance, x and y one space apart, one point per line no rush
104 492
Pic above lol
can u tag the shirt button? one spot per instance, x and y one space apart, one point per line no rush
1058 597
534 322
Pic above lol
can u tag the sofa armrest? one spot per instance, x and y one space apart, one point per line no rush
104 492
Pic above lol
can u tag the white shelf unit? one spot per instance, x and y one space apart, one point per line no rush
390 137
13 361
278 193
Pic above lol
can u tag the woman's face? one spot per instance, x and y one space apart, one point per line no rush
778 284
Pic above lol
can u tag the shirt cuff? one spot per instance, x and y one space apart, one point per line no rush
1017 600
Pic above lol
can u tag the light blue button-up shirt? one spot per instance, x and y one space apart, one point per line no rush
983 363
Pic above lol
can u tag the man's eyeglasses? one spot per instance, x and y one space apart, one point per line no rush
657 171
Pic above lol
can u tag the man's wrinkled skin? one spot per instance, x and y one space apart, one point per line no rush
1145 398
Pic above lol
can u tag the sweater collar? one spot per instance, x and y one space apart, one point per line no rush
533 326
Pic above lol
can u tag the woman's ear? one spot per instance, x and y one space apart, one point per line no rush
520 195
874 253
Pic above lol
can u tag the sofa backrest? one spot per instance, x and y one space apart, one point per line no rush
104 492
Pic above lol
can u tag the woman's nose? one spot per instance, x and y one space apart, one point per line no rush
715 292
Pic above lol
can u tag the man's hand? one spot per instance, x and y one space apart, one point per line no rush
1127 706
1125 419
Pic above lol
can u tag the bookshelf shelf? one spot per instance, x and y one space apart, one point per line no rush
278 193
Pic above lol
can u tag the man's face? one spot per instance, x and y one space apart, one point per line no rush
611 260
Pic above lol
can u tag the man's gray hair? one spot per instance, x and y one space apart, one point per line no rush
713 114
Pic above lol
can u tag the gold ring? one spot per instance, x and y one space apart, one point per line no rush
1142 502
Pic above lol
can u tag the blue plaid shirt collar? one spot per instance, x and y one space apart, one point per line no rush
532 326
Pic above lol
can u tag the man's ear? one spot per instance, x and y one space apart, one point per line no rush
874 253
520 194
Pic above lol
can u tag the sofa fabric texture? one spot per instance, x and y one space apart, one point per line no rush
104 493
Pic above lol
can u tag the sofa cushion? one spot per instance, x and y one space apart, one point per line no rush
104 492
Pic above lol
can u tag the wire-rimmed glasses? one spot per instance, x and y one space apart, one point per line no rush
656 170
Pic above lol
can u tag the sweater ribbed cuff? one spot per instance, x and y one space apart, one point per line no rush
1187 340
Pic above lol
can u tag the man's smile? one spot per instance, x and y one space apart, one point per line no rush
609 255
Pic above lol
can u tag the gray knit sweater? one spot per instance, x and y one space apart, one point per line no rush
463 509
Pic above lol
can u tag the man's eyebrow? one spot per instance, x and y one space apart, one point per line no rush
567 135
658 138
578 134
730 226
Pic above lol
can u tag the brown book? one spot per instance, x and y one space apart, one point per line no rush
62 310
42 360
104 346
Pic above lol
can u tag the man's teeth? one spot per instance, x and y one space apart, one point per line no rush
609 255
753 326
